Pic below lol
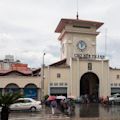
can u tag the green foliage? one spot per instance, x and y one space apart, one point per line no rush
46 97
9 98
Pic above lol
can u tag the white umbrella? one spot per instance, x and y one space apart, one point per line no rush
61 97
71 97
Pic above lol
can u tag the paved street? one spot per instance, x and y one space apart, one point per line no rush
45 114
83 112
37 117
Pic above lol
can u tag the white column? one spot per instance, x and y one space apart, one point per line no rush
78 78
101 87
70 83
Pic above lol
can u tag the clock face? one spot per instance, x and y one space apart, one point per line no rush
81 45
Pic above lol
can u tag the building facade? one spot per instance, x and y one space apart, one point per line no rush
18 77
81 70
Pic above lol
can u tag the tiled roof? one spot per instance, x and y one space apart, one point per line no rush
61 63
6 72
64 22
114 68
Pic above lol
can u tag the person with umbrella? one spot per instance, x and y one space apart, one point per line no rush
60 102
49 99
53 106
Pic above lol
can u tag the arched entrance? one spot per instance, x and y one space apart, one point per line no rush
12 88
89 84
31 91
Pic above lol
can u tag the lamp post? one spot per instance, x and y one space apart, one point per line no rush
43 75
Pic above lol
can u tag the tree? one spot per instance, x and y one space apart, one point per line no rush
5 101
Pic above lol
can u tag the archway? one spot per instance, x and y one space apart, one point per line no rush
89 84
12 88
31 91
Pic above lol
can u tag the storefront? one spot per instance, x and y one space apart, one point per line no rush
58 91
31 91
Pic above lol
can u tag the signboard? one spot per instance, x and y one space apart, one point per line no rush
88 56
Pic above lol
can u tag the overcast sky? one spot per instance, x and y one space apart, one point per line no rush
27 27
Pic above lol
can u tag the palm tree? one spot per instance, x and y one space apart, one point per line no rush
5 101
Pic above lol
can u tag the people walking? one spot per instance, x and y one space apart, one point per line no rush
71 107
53 106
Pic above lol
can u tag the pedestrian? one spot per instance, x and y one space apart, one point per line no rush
71 107
62 105
53 106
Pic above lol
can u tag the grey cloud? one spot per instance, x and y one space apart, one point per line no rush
55 50
112 49
28 26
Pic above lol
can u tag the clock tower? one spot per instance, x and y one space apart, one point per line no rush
77 37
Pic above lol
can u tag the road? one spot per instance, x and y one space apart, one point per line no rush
83 112
44 114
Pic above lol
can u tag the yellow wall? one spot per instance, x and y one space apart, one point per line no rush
113 77
21 81
100 68
51 76
73 75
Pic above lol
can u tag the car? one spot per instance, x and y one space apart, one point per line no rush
79 100
114 99
26 104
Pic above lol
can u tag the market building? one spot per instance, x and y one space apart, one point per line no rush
80 70
18 77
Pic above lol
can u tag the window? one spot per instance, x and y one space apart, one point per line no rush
111 84
19 101
65 84
78 26
51 84
55 84
58 75
118 76
89 66
61 84
118 96
115 84
27 101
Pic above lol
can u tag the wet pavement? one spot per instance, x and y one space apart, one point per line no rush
44 114
82 112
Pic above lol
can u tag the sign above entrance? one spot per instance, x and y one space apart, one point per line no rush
88 56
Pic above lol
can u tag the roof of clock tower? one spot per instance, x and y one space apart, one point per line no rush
86 23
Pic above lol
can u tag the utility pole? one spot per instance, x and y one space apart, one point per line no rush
43 76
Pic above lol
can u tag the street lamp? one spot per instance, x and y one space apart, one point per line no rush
43 76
